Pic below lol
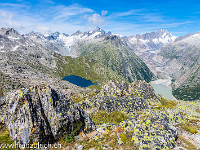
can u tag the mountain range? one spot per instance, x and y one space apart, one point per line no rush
112 57
36 58
121 112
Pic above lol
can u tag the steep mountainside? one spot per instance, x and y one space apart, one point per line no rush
182 58
34 58
27 62
146 46
114 53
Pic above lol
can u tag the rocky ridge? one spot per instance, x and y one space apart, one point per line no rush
40 113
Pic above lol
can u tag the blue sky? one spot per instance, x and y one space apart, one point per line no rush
124 17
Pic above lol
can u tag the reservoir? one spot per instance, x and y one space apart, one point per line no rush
164 90
79 81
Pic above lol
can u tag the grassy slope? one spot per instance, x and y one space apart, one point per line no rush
86 68
118 57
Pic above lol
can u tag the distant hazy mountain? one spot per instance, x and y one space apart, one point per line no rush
63 43
182 61
150 41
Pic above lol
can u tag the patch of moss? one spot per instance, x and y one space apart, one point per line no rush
106 117
123 138
97 87
69 138
188 126
198 110
77 99
168 103
77 127
5 138
164 103
109 140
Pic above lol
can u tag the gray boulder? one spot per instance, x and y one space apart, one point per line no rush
40 114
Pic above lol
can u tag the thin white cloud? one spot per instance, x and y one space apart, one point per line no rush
176 24
13 5
71 11
96 19
104 12
126 13
52 18
69 19
137 15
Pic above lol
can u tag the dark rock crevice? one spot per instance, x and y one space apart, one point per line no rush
41 114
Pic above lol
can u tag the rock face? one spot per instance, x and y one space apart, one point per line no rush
154 131
41 114
110 104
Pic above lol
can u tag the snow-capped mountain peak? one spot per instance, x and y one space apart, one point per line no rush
151 41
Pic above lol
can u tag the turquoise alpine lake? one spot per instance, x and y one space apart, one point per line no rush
79 81
163 90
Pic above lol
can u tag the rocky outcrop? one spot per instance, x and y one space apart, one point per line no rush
150 128
117 96
40 113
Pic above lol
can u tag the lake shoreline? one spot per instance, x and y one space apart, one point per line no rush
165 84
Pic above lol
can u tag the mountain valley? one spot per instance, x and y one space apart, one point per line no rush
122 111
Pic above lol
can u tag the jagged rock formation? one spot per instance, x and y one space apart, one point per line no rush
151 128
121 97
41 114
